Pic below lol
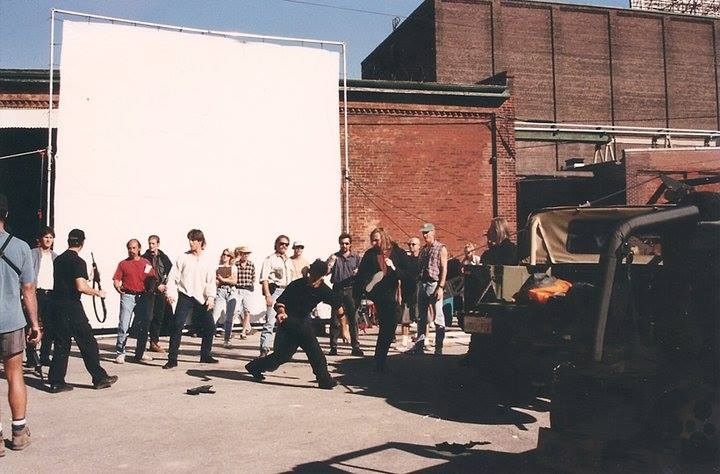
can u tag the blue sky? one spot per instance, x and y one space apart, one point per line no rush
25 24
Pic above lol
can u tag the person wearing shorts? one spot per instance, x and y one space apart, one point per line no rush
17 276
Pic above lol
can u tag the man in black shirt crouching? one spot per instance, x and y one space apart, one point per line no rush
294 326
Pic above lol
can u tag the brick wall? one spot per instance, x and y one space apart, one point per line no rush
642 168
690 56
577 64
408 53
637 47
464 41
411 163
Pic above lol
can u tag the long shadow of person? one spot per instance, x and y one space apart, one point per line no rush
436 387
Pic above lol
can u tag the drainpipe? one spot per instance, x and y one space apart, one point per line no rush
493 162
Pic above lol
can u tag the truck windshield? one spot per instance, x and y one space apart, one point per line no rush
589 236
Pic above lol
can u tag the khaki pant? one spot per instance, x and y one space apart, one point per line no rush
12 343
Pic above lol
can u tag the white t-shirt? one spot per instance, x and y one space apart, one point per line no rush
45 273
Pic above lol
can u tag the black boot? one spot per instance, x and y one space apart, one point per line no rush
419 347
439 338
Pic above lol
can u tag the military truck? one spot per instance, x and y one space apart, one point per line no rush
630 353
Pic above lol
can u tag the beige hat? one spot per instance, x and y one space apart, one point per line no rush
243 249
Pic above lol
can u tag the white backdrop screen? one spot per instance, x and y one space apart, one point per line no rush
161 132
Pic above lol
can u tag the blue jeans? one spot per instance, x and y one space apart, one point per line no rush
128 304
225 302
267 330
186 307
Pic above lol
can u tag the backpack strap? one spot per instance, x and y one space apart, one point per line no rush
5 257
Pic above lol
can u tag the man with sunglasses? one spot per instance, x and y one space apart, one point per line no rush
410 291
343 268
275 275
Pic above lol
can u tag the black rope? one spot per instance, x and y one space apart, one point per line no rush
419 218
96 281
380 209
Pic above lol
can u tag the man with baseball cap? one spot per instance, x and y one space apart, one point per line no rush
300 263
433 273
70 280
17 275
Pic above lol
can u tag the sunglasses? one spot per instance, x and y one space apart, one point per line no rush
226 255
283 244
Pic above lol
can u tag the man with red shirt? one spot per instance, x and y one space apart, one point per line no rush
131 281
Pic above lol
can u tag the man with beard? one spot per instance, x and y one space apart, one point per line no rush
132 279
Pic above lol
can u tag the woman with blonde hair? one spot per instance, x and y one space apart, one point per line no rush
226 299
501 250
378 277
470 257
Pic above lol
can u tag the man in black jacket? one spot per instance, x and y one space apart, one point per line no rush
156 298
294 326
381 269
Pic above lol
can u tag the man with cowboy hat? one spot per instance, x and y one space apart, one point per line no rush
245 287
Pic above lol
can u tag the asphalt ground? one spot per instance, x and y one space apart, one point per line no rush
425 414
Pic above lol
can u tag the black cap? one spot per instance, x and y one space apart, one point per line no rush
76 235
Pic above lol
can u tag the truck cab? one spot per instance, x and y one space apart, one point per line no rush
629 356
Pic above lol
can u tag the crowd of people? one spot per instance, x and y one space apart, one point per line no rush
406 287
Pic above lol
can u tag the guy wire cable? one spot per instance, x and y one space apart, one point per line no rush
42 150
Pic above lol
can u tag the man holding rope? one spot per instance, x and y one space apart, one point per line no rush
70 280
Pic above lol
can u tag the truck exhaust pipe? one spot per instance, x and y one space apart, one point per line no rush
610 258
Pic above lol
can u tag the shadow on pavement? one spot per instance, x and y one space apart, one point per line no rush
438 387
395 457
241 375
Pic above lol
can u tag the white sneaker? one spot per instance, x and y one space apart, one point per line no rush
120 359
146 357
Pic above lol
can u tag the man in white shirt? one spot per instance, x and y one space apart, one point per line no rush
300 263
275 274
191 283
43 257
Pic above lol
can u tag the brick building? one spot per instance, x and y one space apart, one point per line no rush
642 166
570 63
417 152
430 152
